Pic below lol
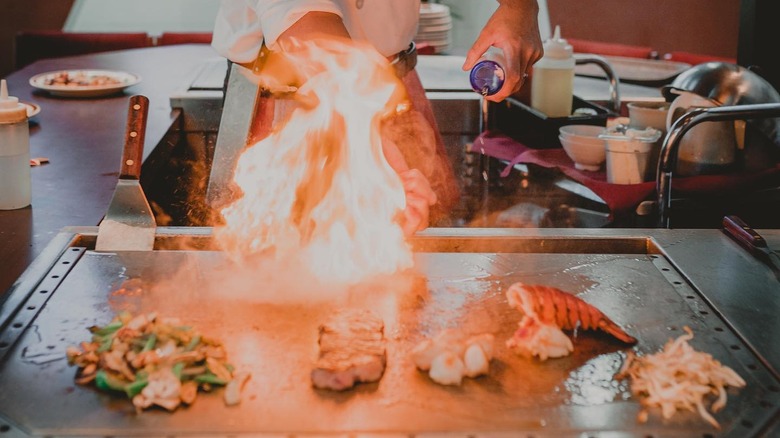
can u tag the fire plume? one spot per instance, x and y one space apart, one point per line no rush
318 189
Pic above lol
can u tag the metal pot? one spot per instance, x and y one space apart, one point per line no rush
708 148
716 146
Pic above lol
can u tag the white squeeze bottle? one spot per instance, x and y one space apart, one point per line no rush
552 87
14 152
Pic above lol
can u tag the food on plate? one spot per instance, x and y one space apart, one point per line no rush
679 378
154 361
546 310
450 356
352 350
80 79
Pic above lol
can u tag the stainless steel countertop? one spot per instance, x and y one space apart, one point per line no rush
702 273
738 285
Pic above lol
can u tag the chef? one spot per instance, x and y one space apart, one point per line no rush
243 27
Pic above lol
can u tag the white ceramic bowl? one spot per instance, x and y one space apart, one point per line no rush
581 132
589 154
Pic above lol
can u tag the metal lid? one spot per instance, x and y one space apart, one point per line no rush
729 84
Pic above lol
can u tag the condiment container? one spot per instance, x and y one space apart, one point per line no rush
629 155
15 190
488 74
552 86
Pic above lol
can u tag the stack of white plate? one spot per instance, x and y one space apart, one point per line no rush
435 27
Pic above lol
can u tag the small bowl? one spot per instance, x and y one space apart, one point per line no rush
581 132
588 154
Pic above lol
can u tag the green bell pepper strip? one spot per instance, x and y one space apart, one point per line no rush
134 388
109 329
193 343
106 382
150 343
177 368
209 378
105 343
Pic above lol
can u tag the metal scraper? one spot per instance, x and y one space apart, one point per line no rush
129 224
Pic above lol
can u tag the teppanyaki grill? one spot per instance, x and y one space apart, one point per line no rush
462 275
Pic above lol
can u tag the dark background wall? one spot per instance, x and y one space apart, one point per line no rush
700 26
16 15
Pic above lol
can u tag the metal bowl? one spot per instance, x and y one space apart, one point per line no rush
728 84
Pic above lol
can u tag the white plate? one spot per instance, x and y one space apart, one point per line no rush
118 81
431 10
32 109
434 21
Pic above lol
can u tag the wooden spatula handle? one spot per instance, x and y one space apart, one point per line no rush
135 131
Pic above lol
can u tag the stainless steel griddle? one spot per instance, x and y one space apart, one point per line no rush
459 281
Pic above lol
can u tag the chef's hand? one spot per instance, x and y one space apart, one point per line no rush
419 198
419 194
513 28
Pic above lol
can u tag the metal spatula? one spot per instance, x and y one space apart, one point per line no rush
129 224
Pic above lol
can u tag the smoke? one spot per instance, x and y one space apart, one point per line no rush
209 279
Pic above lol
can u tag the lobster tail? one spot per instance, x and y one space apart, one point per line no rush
554 306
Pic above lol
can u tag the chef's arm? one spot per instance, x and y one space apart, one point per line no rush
300 26
313 25
283 21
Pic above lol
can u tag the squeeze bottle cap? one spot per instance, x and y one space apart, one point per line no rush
557 47
11 111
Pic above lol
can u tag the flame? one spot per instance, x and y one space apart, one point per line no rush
319 189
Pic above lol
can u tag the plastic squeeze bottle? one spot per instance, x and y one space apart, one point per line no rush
552 87
488 74
14 152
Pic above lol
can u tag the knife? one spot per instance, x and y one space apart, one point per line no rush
752 241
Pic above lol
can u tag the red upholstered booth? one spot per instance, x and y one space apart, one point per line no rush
170 38
611 49
696 58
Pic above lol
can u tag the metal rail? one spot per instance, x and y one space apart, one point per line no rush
670 149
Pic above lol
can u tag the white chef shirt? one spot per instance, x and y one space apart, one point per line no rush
242 26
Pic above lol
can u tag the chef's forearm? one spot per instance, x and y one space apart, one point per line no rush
526 5
277 17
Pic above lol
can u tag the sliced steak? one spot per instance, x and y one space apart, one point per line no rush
352 350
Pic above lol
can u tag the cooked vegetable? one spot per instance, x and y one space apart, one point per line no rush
154 361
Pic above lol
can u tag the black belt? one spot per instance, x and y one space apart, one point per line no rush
404 61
